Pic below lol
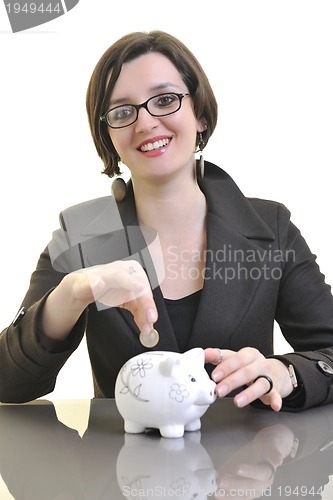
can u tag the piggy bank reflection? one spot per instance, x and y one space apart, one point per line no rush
168 391
149 466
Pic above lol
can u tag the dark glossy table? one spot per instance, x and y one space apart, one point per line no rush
77 450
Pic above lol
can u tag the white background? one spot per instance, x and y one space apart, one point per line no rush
270 64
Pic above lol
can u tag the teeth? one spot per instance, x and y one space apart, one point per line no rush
154 145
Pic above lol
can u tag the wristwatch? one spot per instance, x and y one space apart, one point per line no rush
292 376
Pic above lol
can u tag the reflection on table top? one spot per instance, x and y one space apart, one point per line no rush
78 450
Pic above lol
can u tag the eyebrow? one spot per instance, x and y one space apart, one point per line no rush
156 88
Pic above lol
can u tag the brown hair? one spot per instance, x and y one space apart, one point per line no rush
126 49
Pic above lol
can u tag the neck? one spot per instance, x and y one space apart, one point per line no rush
169 205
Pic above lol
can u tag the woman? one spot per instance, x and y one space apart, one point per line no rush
182 250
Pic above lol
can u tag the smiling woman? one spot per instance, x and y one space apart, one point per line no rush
105 92
184 253
164 128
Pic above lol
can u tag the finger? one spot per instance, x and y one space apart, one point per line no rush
144 312
241 376
214 355
236 370
253 392
257 391
274 400
117 291
243 363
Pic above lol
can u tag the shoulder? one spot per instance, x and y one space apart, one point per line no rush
100 215
85 211
276 215
220 187
91 218
80 224
269 208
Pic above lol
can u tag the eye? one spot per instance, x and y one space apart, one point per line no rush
165 100
192 379
121 114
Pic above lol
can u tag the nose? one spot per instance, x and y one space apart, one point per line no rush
145 121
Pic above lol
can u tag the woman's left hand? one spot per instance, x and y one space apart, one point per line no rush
243 367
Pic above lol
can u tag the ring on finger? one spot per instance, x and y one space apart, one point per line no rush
269 380
220 356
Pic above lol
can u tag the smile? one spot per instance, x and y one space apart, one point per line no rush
150 146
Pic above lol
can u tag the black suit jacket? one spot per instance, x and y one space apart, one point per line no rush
258 270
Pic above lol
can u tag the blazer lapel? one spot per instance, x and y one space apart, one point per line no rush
230 283
237 242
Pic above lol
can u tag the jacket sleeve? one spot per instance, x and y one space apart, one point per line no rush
27 370
305 315
29 362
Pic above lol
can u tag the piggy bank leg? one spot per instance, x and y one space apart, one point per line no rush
195 425
172 431
133 427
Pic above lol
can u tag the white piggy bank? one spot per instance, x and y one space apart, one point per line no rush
164 390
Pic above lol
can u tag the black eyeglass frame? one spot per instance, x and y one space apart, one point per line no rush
144 105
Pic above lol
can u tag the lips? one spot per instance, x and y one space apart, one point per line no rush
154 144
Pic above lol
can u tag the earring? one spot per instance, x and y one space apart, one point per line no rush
201 144
119 189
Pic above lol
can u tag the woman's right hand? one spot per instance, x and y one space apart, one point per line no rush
117 284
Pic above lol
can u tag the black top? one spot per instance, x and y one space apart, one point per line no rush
182 314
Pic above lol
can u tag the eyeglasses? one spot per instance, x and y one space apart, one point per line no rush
158 105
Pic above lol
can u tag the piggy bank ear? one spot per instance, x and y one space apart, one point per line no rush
196 355
167 366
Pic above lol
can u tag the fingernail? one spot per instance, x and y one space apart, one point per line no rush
146 329
240 401
151 315
277 407
222 391
217 376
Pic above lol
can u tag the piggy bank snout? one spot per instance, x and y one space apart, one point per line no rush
206 393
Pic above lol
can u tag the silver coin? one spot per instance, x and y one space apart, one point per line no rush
149 339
